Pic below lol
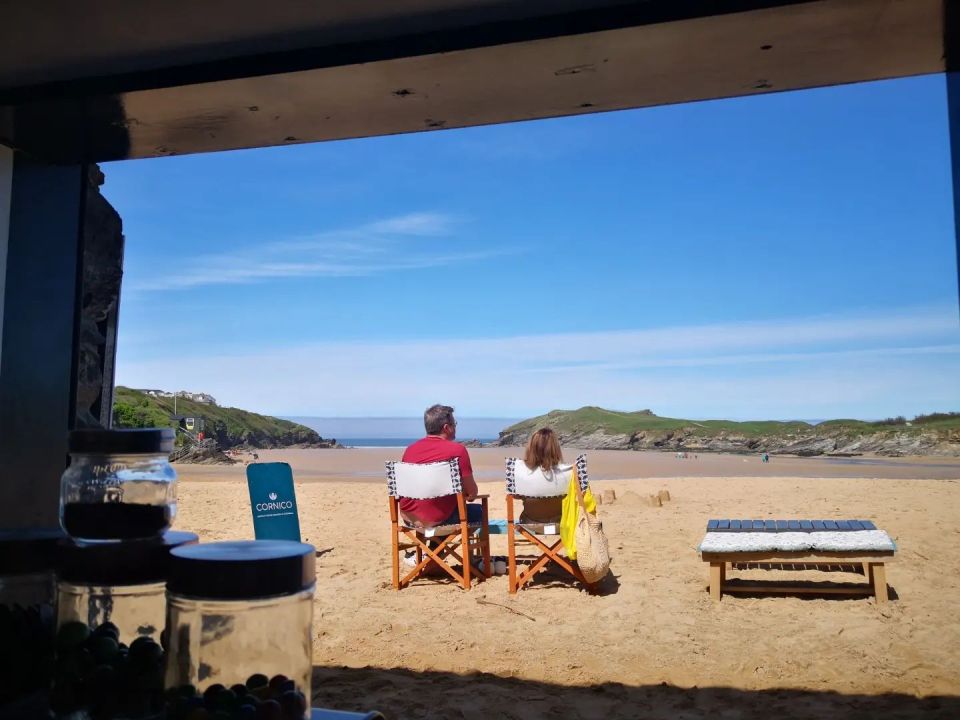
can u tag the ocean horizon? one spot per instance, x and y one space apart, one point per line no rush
392 442
401 431
396 431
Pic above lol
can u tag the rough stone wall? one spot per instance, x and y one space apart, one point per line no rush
103 243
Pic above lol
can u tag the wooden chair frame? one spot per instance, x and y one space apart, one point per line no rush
472 542
538 562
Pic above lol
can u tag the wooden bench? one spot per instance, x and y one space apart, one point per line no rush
794 543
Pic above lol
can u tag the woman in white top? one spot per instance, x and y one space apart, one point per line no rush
543 451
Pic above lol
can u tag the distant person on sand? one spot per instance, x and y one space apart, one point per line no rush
543 452
437 446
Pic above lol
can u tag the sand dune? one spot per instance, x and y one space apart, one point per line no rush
653 644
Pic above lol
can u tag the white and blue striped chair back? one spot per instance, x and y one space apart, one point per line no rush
423 481
521 480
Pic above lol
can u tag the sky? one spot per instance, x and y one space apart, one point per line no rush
780 256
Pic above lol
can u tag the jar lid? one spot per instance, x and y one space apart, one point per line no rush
125 562
29 550
146 440
242 570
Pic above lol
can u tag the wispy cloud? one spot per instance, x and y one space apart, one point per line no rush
413 224
370 249
866 365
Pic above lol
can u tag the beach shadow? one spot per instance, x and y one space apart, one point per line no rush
400 693
609 585
802 590
553 576
806 589
324 551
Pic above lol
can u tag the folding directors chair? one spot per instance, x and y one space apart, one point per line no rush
522 483
464 542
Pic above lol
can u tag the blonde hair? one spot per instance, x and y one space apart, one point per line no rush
543 450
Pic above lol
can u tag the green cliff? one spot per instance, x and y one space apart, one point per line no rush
230 427
597 428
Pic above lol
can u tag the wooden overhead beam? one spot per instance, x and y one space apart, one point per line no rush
424 82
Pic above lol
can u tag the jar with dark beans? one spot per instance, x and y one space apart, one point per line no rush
119 484
259 698
240 610
98 674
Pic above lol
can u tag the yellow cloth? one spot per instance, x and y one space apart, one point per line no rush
571 513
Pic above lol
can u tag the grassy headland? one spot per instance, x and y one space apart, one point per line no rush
595 427
231 427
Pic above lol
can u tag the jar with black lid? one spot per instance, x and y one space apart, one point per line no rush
111 610
239 618
119 485
27 601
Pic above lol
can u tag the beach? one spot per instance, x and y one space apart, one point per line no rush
652 643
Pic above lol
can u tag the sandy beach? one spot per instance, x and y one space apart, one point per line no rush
652 644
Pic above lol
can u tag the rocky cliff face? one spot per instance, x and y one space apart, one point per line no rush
839 442
99 295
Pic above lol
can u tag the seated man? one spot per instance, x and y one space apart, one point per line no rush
438 446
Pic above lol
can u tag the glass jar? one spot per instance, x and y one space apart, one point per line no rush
239 620
119 485
27 596
111 610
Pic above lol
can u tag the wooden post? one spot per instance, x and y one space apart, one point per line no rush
879 579
716 580
395 536
464 540
485 539
511 549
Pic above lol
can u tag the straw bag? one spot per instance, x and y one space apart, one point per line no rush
593 553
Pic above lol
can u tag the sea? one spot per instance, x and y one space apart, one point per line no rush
390 432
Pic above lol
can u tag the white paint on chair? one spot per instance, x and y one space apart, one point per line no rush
427 480
539 483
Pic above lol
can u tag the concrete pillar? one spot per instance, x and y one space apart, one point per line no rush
6 186
953 118
951 55
39 335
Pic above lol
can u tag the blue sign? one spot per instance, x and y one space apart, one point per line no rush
273 502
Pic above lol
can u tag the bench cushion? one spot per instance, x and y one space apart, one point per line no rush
824 540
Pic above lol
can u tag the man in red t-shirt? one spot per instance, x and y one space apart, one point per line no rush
438 446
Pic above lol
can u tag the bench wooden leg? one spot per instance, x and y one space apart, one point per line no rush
716 579
878 576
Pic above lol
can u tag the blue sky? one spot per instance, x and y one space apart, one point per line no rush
779 256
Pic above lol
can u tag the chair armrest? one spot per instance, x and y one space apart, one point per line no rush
482 497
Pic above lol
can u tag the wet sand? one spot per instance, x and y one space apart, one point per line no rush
367 464
652 644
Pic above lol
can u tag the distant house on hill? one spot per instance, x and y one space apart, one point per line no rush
196 397
155 393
